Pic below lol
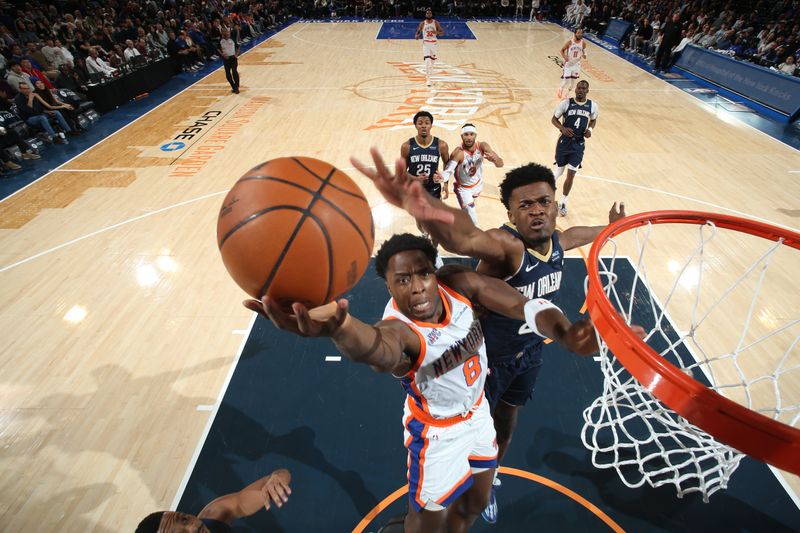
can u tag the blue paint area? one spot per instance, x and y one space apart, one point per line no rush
338 427
407 29
725 103
55 155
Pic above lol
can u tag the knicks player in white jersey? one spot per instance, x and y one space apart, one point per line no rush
430 30
430 338
572 52
467 162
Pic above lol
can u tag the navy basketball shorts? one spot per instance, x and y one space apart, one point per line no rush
569 153
513 380
434 189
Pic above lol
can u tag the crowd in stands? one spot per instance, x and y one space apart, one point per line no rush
765 32
49 47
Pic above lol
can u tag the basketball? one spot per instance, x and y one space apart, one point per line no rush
296 229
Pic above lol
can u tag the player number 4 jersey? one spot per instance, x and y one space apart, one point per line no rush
447 379
576 115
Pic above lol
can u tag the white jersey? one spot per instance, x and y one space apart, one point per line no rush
429 32
447 379
575 53
469 173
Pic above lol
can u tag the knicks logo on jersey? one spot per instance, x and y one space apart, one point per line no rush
460 351
543 286
433 335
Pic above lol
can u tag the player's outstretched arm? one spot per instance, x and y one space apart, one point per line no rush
542 316
450 227
491 155
385 346
583 235
273 488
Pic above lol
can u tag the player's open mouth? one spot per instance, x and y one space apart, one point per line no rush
420 307
537 224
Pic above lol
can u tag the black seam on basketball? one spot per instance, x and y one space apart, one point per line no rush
328 202
355 195
254 216
333 185
306 213
330 255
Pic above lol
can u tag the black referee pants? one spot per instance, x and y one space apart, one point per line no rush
232 72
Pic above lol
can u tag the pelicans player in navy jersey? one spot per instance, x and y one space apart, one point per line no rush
575 119
431 339
422 154
527 253
430 30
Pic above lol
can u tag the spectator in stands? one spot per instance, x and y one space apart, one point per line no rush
25 34
182 54
788 66
130 51
33 112
95 65
39 60
158 37
6 36
193 52
68 79
64 53
52 103
15 76
33 72
81 71
643 33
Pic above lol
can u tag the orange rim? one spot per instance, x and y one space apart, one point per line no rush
735 425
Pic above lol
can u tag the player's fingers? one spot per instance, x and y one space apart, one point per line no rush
364 169
622 208
304 321
254 305
380 165
278 317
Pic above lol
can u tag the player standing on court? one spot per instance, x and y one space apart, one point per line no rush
431 339
422 154
579 117
467 162
430 30
528 253
573 51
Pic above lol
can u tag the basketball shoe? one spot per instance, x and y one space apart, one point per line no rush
489 514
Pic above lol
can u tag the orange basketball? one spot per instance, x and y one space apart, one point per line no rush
297 229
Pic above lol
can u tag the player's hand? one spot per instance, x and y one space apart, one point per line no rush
437 177
580 338
567 132
490 157
402 191
614 215
300 320
587 133
423 177
276 490
445 193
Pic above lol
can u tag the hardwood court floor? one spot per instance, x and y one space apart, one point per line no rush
119 320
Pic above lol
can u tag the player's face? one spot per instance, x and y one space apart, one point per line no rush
181 523
579 35
428 14
581 90
412 283
469 139
423 125
532 210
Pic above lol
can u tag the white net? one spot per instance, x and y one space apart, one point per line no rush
718 304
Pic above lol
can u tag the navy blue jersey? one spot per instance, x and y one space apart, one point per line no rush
537 277
425 160
577 116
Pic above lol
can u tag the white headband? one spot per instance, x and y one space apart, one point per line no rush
469 129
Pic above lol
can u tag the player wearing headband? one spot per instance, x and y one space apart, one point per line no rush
467 163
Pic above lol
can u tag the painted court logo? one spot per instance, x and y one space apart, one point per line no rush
190 132
462 93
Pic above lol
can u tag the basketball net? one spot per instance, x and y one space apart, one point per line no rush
686 363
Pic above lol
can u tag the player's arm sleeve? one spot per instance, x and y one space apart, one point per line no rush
561 108
594 111
448 170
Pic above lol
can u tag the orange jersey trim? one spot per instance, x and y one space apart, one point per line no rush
429 420
458 296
